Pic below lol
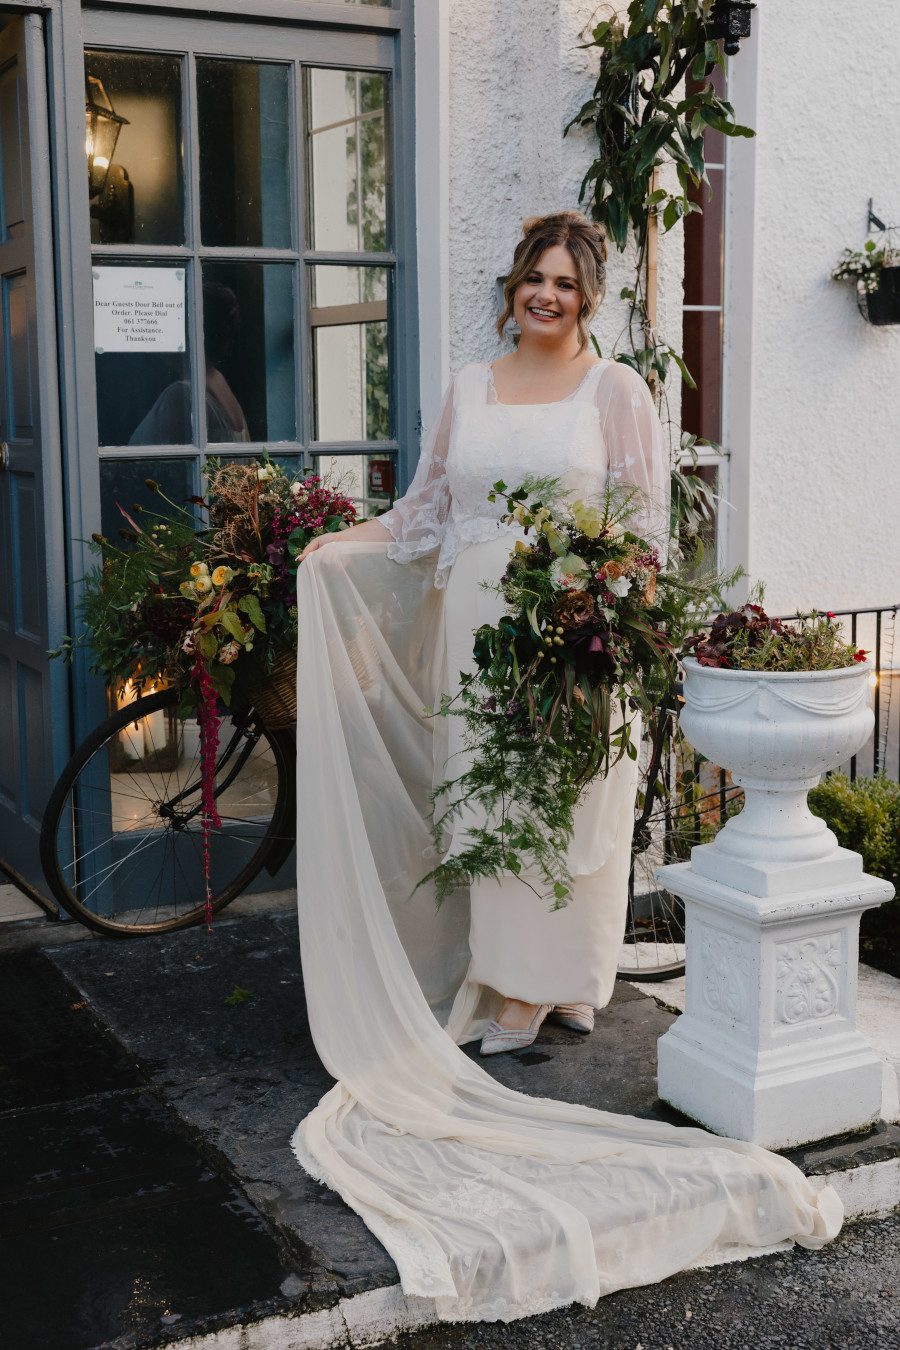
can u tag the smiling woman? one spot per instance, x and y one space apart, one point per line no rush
494 1204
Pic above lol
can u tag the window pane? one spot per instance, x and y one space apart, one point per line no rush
348 167
124 481
248 338
144 395
351 353
135 166
368 480
702 347
245 181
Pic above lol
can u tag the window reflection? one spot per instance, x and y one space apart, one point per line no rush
370 481
123 481
243 111
348 166
351 353
134 388
248 324
143 201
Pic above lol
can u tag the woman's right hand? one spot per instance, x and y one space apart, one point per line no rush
371 530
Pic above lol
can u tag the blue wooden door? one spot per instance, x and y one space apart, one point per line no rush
31 717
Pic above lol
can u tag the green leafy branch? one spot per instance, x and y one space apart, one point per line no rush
653 99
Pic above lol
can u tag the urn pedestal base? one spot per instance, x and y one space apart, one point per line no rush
767 1048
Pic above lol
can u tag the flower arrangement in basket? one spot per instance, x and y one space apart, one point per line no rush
209 609
177 596
875 271
588 642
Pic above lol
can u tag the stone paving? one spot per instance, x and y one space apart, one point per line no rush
148 1092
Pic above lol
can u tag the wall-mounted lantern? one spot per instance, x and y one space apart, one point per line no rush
731 21
102 127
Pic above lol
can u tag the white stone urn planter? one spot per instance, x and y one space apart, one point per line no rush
767 1049
777 733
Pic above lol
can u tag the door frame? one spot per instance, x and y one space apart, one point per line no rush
80 487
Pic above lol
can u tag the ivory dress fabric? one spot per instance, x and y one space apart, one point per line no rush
493 1204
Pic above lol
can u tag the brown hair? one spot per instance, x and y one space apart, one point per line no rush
586 243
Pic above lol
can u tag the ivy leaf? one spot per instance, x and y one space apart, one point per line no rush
673 213
251 607
231 623
223 680
685 373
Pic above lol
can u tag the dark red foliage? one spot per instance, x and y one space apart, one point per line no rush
713 647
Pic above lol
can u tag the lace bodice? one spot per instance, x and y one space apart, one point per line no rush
607 428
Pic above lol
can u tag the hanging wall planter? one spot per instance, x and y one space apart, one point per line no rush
882 305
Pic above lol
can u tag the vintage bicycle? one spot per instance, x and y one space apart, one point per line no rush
121 844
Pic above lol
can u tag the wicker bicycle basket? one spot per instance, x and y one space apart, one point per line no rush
275 697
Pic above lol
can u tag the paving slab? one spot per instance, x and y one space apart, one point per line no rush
214 1027
115 1229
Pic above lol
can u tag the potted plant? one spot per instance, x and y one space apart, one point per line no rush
876 274
778 704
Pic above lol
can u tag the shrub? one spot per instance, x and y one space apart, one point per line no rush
865 816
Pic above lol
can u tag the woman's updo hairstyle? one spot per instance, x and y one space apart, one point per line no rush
586 243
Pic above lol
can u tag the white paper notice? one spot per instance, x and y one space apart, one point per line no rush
138 309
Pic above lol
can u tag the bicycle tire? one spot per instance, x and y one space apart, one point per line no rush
274 839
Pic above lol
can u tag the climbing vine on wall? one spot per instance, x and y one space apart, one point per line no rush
653 99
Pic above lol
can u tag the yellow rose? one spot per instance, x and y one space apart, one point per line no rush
187 589
202 585
222 575
199 569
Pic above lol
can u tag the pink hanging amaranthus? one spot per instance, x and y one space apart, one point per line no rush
208 715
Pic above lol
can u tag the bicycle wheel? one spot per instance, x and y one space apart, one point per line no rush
653 947
121 842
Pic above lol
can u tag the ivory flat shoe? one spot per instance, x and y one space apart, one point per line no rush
497 1039
575 1016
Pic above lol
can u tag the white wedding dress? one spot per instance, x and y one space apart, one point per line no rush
494 1204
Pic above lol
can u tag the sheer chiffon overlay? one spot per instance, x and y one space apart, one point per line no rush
494 1204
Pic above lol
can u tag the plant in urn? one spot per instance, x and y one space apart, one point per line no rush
772 905
778 706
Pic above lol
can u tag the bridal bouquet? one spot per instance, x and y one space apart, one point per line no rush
588 642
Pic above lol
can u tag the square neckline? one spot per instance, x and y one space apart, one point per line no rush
547 403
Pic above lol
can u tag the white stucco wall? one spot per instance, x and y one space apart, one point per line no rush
812 391
515 75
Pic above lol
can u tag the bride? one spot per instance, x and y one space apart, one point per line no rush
492 1203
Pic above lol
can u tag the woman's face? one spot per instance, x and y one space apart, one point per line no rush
546 305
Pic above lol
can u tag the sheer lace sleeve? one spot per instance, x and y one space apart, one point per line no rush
417 519
635 444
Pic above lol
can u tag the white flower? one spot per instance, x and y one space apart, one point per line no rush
265 473
569 573
296 489
614 530
619 586
189 646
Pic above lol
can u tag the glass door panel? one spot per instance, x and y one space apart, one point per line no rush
133 142
349 167
349 319
244 117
